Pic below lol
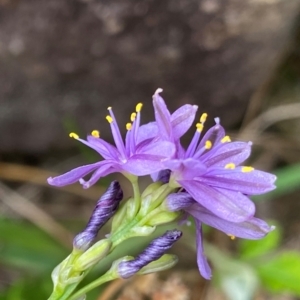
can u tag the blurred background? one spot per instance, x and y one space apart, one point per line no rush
63 62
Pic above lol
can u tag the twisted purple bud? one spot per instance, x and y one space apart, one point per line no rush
103 211
164 176
154 251
179 201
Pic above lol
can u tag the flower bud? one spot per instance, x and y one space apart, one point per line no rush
178 201
167 261
93 255
164 176
104 210
152 253
163 218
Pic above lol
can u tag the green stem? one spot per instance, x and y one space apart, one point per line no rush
105 278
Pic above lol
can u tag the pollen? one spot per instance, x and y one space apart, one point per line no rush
133 116
95 133
199 127
208 144
232 237
230 166
74 135
138 107
247 169
225 139
203 118
109 119
128 126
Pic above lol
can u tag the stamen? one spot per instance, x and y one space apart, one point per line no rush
95 133
247 169
138 107
232 237
208 145
128 126
133 116
203 118
109 119
109 108
225 139
230 166
199 127
74 135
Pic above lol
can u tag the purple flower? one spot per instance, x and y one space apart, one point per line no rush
153 252
209 169
141 154
103 211
252 229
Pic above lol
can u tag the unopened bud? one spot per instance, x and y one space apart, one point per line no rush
153 252
167 261
93 255
164 176
163 218
104 210
178 201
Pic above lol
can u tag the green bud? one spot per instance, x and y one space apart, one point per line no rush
141 231
119 217
167 261
93 255
151 188
163 218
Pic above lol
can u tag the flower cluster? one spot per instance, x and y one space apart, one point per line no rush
206 180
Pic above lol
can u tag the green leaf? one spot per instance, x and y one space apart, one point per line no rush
237 279
288 180
253 248
25 246
281 273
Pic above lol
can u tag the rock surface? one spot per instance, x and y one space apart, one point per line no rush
63 62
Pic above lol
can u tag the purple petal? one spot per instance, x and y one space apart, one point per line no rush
253 228
186 169
147 131
229 205
203 265
250 183
101 172
182 119
162 149
143 164
74 175
214 134
105 149
162 117
235 152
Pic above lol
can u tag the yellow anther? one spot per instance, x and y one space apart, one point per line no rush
199 127
95 133
138 107
74 135
109 108
133 116
232 237
128 126
225 139
208 144
230 166
247 169
109 119
203 118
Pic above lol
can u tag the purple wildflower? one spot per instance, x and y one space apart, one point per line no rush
252 229
153 252
209 169
103 211
141 154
